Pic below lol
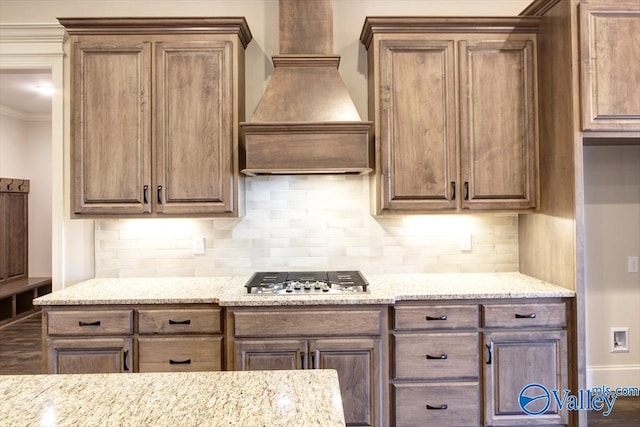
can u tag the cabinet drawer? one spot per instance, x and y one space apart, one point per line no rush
436 317
179 321
524 315
437 404
307 323
436 356
180 354
90 322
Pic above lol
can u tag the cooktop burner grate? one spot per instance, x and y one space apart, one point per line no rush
307 283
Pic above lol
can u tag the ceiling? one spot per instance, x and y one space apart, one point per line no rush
18 91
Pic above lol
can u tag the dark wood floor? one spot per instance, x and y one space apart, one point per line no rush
21 346
21 353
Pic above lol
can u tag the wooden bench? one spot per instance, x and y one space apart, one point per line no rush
16 297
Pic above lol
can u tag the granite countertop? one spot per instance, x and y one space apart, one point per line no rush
253 398
230 291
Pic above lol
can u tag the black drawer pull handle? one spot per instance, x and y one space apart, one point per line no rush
443 317
124 361
440 357
526 316
181 322
179 362
437 408
96 323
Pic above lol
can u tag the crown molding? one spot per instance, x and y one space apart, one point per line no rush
32 33
21 115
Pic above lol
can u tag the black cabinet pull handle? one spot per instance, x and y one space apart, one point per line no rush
180 322
145 194
179 362
453 190
443 317
96 323
124 362
302 361
440 357
313 361
466 190
489 347
159 194
437 408
526 316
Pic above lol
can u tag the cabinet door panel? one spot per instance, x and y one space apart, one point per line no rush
610 49
257 355
498 131
194 127
515 360
111 126
358 364
15 233
417 124
90 356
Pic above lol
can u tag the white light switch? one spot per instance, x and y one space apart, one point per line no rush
632 264
198 245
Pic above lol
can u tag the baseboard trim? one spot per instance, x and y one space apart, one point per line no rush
613 376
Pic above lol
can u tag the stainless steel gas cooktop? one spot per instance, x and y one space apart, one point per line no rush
307 283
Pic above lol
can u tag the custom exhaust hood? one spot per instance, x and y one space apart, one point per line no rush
306 121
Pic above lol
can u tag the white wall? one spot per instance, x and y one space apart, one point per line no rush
25 152
612 217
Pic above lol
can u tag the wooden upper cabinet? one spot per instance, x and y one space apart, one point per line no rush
194 154
111 125
610 57
498 123
417 122
454 101
188 74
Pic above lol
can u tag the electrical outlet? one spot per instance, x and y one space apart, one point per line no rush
465 241
632 264
198 245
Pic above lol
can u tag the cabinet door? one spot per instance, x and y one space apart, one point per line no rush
195 149
416 140
111 126
89 356
358 362
268 354
610 50
498 130
14 210
515 360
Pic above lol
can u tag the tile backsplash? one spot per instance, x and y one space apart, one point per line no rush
306 223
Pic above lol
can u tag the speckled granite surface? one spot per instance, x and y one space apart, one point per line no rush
257 398
230 291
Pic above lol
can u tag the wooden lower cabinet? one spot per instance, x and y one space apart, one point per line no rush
134 338
89 355
452 362
515 360
524 343
437 404
356 357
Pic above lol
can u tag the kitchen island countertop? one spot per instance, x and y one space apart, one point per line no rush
230 291
254 398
